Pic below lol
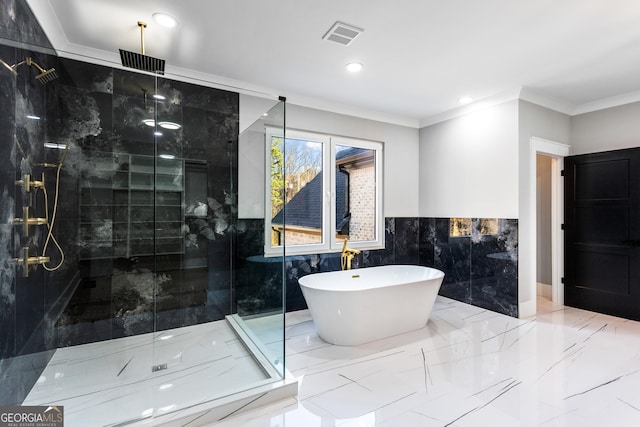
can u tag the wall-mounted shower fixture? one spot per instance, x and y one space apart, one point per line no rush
27 183
140 61
44 77
27 261
27 222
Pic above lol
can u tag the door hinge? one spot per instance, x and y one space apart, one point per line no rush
562 280
561 226
562 172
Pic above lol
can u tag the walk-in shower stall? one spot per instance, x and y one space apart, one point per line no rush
128 290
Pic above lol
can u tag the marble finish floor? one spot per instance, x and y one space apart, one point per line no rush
467 367
112 383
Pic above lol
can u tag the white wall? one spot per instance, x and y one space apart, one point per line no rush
604 130
469 165
543 123
401 161
479 165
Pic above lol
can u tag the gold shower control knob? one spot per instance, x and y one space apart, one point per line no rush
26 221
26 261
28 183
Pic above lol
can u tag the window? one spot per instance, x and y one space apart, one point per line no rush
321 190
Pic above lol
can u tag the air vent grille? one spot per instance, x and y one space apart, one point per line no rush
342 33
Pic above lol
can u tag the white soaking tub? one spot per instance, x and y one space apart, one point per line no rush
352 307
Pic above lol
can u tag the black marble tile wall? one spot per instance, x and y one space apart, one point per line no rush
480 269
147 222
26 303
19 27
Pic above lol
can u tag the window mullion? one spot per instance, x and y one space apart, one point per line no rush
331 218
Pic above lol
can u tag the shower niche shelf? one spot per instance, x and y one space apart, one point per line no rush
121 216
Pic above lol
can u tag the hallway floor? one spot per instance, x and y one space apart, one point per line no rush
467 367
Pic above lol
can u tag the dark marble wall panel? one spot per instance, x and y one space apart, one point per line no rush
453 256
7 209
18 24
427 241
407 241
106 288
25 302
479 269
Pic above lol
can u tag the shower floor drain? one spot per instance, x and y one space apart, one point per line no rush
156 368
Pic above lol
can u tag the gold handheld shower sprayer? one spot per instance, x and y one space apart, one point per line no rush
52 220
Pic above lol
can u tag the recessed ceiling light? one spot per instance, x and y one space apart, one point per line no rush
33 117
156 133
354 67
160 97
167 157
165 20
465 100
169 125
149 122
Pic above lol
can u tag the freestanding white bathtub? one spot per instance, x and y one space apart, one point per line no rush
352 307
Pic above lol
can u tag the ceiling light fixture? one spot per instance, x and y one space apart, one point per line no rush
55 146
354 67
149 122
465 100
165 20
159 97
169 125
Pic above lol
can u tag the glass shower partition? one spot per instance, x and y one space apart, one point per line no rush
261 283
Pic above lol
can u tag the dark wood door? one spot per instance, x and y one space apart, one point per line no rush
602 232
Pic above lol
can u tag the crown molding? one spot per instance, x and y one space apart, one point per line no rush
470 108
603 104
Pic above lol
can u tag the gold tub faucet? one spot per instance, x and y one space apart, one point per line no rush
347 255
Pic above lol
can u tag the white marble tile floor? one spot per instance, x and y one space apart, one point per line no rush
112 383
468 367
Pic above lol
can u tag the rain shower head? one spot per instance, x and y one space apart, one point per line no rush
140 61
47 76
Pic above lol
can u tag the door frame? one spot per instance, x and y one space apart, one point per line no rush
557 152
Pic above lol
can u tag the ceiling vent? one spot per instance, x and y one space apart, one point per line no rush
342 33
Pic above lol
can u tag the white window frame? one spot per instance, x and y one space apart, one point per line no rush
328 243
